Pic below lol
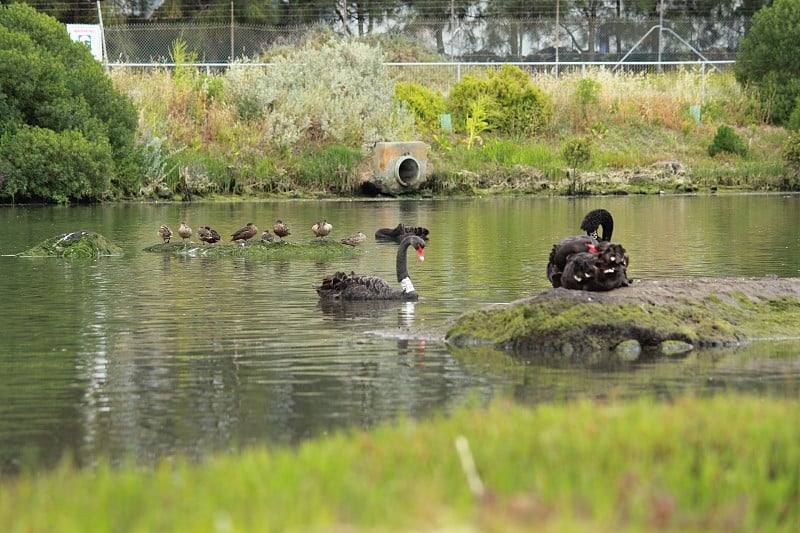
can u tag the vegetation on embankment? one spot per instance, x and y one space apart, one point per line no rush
701 313
720 464
280 130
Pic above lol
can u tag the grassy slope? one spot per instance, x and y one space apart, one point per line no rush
720 464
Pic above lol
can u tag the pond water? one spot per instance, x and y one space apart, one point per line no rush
145 356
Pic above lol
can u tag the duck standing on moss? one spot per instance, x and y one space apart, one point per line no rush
322 229
281 229
185 231
354 240
207 234
245 233
165 233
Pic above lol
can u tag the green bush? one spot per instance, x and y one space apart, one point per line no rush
49 82
791 151
513 105
577 150
769 57
794 118
38 163
427 105
727 140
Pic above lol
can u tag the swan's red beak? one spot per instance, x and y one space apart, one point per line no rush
421 253
592 248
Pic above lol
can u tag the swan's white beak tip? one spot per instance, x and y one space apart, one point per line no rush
422 258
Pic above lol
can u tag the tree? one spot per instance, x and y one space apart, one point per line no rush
55 98
769 58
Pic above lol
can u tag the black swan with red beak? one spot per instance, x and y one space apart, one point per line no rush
588 262
341 286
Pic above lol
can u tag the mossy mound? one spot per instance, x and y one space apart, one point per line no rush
81 244
696 313
319 248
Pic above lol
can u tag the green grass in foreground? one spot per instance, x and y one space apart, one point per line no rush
720 464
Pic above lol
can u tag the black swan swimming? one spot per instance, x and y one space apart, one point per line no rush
399 232
341 286
589 262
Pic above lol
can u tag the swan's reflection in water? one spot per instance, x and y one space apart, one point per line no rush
350 309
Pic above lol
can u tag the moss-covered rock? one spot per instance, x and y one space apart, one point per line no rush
318 248
700 313
82 244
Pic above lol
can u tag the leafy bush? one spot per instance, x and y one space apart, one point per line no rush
769 57
791 151
48 82
427 105
42 164
727 140
577 150
794 118
513 105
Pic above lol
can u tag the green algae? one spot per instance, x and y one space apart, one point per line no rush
81 244
318 248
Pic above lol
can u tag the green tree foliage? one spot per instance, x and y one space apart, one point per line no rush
727 140
54 94
513 105
769 57
791 151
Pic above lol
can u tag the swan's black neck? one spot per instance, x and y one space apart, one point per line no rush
402 263
596 218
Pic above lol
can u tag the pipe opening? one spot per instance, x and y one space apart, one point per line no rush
406 170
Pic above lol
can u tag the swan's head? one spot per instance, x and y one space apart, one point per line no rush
421 252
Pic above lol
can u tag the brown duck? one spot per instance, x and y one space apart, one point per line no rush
245 233
321 229
207 234
184 231
165 233
281 229
354 240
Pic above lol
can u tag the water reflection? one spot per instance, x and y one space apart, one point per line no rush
149 355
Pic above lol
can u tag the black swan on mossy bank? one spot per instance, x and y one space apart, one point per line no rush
588 262
342 286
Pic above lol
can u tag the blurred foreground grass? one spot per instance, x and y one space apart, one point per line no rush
717 464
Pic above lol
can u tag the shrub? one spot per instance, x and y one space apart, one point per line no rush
769 57
791 151
513 105
48 82
42 164
427 105
727 140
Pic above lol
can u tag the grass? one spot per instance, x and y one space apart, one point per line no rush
716 464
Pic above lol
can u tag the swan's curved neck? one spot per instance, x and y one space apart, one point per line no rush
407 285
402 265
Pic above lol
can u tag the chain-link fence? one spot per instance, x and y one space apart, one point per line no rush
579 40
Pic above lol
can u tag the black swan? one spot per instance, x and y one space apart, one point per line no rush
400 231
587 262
341 286
165 233
321 229
245 233
281 229
603 269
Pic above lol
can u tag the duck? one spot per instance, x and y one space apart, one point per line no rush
207 234
398 232
321 229
266 236
342 286
165 233
184 231
598 265
243 234
281 229
354 240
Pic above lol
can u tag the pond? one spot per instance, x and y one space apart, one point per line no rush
148 355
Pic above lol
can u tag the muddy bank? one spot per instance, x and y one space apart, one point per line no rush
665 316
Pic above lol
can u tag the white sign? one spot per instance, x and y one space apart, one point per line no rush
90 35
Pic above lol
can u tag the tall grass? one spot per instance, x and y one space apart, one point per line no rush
722 464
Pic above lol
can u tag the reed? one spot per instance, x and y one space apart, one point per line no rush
727 463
